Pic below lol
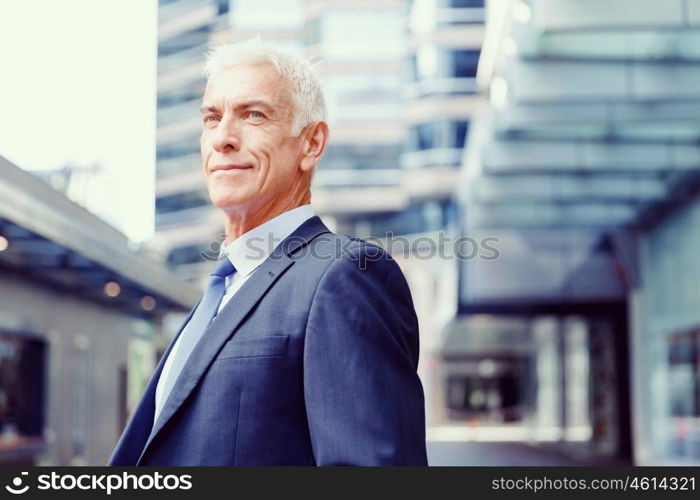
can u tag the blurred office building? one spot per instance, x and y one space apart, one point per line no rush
80 325
586 169
185 223
440 97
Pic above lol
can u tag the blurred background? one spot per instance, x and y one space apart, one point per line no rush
558 139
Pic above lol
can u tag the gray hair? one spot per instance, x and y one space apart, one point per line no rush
309 103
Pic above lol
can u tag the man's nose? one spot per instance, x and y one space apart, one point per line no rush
227 136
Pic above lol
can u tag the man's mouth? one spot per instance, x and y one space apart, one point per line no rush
230 166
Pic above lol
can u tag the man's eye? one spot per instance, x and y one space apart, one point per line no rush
210 118
256 114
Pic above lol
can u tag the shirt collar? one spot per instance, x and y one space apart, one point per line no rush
251 249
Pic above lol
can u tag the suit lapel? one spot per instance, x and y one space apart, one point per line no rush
230 317
136 432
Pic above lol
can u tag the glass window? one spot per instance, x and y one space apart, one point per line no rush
461 4
460 134
418 217
433 62
181 201
465 63
669 363
183 41
424 136
437 135
172 161
684 374
173 151
184 94
360 157
187 255
22 387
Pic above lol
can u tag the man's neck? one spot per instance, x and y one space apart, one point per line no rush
240 223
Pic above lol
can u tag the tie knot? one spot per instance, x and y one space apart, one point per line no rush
223 268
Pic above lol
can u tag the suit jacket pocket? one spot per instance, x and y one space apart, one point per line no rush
271 346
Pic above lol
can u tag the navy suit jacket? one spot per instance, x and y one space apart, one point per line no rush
312 362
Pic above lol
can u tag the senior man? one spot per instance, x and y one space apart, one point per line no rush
304 347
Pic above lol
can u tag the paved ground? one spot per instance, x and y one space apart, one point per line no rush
513 454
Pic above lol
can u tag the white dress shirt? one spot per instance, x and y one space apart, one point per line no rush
246 253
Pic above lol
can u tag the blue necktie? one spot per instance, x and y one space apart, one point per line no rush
198 324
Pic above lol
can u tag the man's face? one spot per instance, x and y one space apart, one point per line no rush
249 156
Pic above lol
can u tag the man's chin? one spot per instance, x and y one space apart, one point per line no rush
229 203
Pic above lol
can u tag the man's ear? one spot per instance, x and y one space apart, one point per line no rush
315 141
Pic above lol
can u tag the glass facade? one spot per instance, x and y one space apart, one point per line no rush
362 95
460 4
179 101
440 69
189 254
188 40
168 158
669 339
444 134
419 217
360 157
182 201
436 62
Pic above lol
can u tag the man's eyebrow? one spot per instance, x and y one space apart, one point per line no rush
243 105
208 108
256 102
